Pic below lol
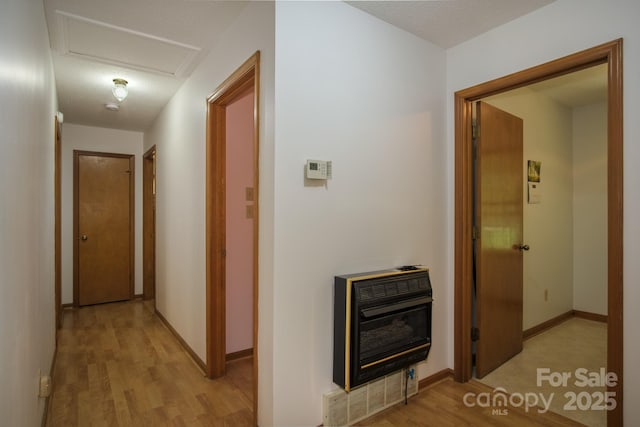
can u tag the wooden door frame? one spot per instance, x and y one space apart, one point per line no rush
148 290
57 195
245 78
76 234
610 54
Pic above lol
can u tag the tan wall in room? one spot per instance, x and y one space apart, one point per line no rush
590 208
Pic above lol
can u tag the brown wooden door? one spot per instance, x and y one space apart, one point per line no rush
104 227
149 224
499 201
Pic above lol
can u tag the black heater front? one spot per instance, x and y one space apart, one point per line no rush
382 323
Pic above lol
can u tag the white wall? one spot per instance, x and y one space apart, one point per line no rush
559 29
89 138
548 226
179 134
370 97
28 104
590 208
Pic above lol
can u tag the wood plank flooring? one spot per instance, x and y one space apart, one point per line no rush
442 404
117 365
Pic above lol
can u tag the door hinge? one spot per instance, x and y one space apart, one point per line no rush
224 252
475 334
474 233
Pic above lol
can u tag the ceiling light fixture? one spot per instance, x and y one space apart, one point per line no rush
112 107
120 90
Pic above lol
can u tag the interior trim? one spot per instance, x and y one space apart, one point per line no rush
591 316
611 54
434 378
199 362
545 326
239 83
57 149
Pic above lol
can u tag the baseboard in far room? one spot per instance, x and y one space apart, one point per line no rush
199 363
538 329
435 378
239 355
138 296
591 316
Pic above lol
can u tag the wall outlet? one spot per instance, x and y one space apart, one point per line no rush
45 386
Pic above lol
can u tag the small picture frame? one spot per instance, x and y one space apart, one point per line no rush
533 170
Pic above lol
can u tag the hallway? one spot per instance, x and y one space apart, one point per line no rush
118 365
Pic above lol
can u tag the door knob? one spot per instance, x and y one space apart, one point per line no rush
524 247
84 237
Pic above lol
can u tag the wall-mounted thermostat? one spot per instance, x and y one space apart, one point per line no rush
318 169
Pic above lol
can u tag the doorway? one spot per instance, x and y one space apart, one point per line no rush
610 54
57 194
103 185
244 81
149 224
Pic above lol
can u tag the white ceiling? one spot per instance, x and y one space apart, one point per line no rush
583 87
155 44
447 23
577 89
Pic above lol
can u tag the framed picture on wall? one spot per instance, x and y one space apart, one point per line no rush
533 174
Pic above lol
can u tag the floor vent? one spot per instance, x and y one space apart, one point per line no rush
343 409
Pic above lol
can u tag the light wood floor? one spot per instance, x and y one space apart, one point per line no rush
117 365
442 404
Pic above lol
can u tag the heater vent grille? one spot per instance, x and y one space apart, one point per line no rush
342 409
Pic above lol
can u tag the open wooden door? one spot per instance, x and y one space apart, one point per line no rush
499 243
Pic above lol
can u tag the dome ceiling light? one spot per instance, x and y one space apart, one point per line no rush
120 90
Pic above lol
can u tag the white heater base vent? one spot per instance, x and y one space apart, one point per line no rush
343 409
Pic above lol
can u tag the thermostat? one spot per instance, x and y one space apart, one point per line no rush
318 169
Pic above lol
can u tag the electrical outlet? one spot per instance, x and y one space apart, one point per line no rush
45 386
